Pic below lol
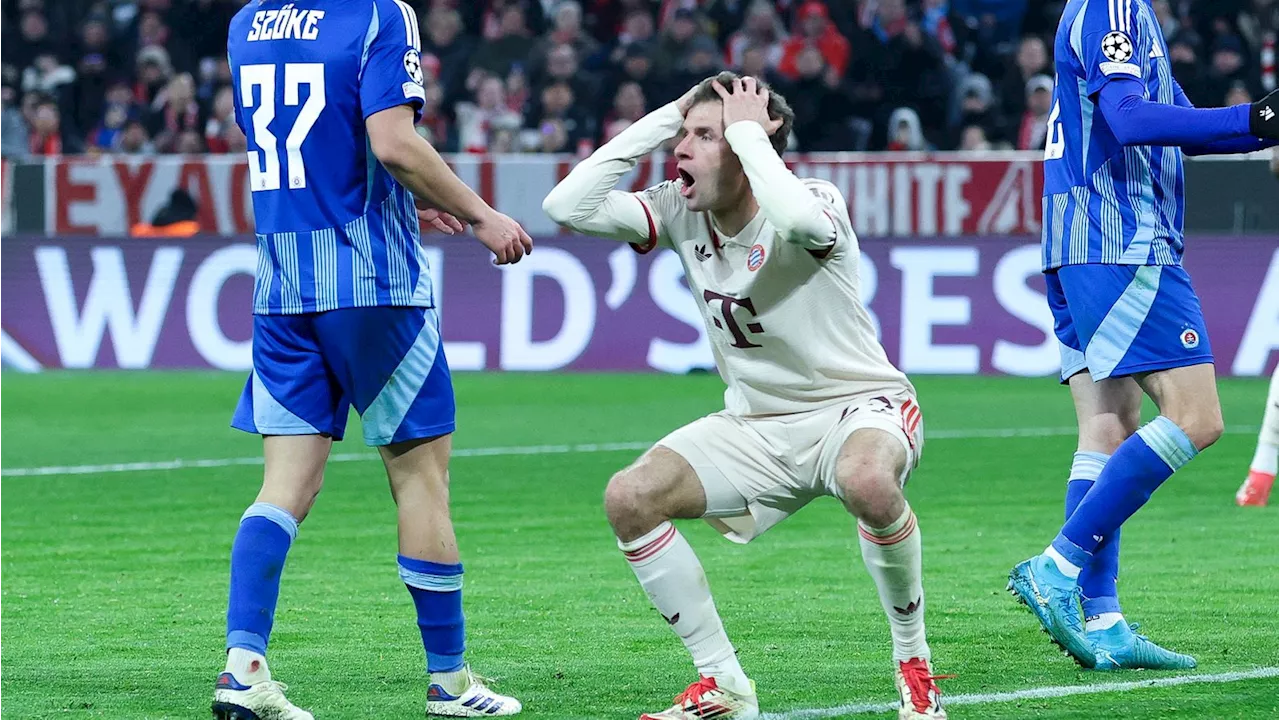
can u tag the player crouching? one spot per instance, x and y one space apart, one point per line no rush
813 405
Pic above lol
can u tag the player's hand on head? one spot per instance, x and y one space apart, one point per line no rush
504 237
1264 117
746 100
686 101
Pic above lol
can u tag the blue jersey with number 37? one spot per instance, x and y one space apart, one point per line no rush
1104 202
334 229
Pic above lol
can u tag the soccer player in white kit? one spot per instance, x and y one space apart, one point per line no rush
813 406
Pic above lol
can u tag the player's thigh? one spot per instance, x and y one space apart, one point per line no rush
391 366
418 471
871 450
1189 397
1135 319
293 471
660 484
1107 411
745 469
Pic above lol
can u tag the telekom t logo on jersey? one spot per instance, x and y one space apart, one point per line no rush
727 304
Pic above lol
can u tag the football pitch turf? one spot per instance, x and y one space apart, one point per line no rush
115 577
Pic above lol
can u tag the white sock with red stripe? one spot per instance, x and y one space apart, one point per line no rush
671 575
892 556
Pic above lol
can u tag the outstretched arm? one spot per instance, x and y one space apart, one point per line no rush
1135 120
1246 144
586 202
797 214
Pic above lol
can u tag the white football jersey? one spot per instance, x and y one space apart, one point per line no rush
786 322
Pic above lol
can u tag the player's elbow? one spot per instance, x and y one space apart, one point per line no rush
557 206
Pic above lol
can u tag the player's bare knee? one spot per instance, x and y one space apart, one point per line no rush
631 504
871 489
1203 425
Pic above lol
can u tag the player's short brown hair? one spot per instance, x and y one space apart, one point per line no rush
778 107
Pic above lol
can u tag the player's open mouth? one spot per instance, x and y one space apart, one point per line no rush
687 179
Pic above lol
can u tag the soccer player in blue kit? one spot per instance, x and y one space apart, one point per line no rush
1124 310
327 93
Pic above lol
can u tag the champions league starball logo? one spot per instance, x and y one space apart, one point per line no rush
1117 47
413 65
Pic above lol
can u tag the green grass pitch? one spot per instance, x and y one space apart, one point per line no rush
114 584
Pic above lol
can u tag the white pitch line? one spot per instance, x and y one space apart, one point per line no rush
516 450
1040 693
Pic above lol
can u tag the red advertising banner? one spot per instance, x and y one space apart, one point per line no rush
891 194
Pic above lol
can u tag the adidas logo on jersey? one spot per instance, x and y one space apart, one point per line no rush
700 252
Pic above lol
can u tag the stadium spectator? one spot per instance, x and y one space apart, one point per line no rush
762 30
480 121
135 140
1227 65
1032 59
13 127
628 107
974 139
1035 119
637 30
509 48
118 109
47 136
33 40
222 115
567 30
154 71
174 112
561 121
916 77
1184 59
821 108
977 109
451 49
816 30
904 131
679 38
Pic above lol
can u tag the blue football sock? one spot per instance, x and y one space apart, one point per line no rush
1139 466
437 594
257 559
1098 578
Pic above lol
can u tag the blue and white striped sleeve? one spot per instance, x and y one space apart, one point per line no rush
390 65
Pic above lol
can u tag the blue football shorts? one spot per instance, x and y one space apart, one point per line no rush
1120 320
309 369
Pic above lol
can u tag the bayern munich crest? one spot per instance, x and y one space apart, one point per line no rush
755 258
1190 339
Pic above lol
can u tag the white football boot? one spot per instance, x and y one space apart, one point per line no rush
476 700
263 700
705 700
918 692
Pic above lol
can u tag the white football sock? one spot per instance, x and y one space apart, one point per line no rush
892 556
1064 565
455 682
247 666
1267 456
671 575
1102 621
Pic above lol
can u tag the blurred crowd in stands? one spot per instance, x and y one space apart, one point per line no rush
151 76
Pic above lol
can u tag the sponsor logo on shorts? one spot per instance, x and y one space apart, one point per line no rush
755 258
1190 339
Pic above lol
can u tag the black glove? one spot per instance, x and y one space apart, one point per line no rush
1262 117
